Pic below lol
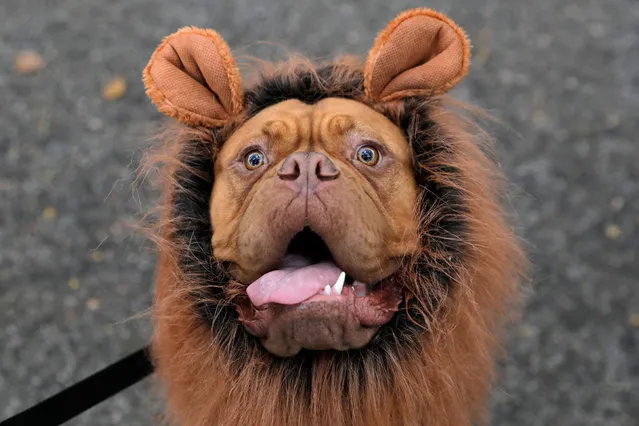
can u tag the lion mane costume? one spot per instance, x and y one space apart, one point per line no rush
332 247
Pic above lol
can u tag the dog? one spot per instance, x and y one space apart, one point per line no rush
332 245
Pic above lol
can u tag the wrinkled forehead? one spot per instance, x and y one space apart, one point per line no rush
295 126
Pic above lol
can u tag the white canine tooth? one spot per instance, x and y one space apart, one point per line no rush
327 290
339 284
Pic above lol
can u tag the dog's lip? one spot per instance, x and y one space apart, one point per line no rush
369 270
371 310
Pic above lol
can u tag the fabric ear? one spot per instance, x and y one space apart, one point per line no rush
420 52
192 77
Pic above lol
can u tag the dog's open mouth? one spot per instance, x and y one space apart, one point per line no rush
307 272
309 302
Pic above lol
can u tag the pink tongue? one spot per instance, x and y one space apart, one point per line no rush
292 284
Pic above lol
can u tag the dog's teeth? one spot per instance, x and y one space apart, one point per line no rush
339 284
327 290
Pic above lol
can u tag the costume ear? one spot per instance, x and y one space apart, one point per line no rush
192 76
420 52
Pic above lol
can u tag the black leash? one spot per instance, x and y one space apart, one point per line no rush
87 393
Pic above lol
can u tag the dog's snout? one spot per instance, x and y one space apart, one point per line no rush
308 170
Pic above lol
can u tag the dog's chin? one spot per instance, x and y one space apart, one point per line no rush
308 302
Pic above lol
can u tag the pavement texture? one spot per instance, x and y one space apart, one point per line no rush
75 282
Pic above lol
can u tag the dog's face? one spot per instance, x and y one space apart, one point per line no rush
314 209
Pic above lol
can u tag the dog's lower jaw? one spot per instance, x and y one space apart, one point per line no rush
323 322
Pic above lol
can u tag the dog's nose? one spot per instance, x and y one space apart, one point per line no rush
307 170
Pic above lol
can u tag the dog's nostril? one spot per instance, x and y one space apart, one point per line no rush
290 170
325 169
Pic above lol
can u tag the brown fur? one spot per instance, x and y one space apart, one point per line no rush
167 64
440 376
456 55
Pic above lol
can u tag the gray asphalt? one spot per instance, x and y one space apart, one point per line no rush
563 76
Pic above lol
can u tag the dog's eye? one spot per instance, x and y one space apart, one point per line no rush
368 155
254 159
